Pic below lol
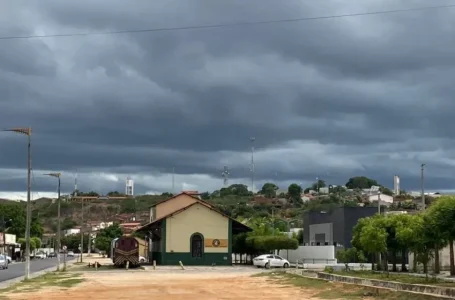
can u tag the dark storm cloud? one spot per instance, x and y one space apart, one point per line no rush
375 92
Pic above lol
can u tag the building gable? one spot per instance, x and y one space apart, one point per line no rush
200 219
167 207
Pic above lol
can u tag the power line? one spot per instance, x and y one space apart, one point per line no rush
214 26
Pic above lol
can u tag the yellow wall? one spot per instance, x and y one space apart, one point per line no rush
142 247
172 205
197 218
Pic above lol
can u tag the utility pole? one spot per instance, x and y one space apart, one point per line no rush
28 221
57 175
173 180
379 202
90 229
252 139
422 166
82 227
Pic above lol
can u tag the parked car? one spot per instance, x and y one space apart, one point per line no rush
70 254
270 261
9 259
52 254
3 262
40 255
142 259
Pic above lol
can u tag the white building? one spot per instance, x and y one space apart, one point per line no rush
385 199
71 231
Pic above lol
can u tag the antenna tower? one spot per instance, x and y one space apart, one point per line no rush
225 175
252 139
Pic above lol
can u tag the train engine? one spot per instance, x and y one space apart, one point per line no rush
125 249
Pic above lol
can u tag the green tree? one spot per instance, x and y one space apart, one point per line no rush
16 213
68 223
441 215
361 182
370 236
294 192
385 191
269 190
267 244
115 194
105 236
351 255
236 190
36 243
420 238
317 185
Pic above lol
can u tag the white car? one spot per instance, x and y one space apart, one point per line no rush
10 260
270 261
40 255
3 262
142 259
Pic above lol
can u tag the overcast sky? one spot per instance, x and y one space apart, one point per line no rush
335 98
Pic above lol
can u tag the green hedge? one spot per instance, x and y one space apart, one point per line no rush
270 243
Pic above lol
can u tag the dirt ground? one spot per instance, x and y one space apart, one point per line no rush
166 284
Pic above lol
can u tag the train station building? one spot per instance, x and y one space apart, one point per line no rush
187 229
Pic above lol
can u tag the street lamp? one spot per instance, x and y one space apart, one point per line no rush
28 132
422 168
57 175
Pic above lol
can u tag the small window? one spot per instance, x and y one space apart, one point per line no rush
278 257
270 256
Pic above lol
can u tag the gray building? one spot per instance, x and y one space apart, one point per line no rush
335 227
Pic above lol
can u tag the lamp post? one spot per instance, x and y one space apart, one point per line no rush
422 168
28 132
57 175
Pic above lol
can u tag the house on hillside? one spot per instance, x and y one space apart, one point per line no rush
71 231
187 229
129 227
383 198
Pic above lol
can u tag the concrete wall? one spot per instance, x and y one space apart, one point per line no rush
320 254
439 291
142 247
197 218
167 207
324 230
444 260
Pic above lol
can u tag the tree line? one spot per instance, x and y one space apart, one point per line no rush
423 234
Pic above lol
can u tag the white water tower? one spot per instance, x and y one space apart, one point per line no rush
129 188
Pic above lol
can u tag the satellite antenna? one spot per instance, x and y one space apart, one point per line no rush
225 175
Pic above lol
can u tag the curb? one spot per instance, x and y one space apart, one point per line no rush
7 283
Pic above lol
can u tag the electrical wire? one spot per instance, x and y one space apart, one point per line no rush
214 26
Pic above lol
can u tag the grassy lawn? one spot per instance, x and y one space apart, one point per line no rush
402 277
52 279
329 290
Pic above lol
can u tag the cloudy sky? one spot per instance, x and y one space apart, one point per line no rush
335 98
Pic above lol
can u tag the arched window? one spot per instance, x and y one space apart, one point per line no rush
197 242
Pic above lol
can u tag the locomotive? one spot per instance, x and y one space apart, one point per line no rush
125 249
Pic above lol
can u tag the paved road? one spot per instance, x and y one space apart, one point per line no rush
18 269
